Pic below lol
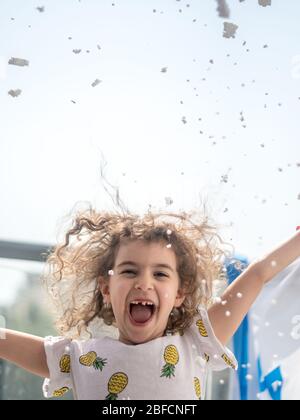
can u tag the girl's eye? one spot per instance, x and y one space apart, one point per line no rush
130 271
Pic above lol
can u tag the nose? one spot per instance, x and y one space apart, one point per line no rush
144 283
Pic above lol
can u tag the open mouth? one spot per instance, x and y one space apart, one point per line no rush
141 312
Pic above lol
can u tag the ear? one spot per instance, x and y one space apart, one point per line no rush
179 298
104 287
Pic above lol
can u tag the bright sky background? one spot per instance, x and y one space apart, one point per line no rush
51 148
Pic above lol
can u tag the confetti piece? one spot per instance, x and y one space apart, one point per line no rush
111 272
18 61
169 201
221 382
264 3
169 245
15 93
183 119
273 263
274 301
249 377
229 30
96 82
76 50
223 9
40 9
169 232
239 295
164 70
227 313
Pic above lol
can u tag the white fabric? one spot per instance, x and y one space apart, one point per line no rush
275 323
138 368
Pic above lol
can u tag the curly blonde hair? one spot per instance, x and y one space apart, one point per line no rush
90 249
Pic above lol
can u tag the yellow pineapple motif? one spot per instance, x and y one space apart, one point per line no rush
171 357
201 327
91 359
65 363
228 361
60 392
197 387
116 384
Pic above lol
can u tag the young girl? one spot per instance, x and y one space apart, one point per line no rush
151 277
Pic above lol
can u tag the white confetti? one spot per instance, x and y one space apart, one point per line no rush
223 302
273 263
224 178
264 3
169 245
274 301
239 295
18 61
168 201
221 382
223 9
169 232
15 93
249 377
229 30
111 272
227 313
96 82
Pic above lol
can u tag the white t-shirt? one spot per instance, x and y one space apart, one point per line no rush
173 367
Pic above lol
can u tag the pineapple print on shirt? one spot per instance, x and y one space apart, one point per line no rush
228 361
197 387
201 328
171 357
91 359
60 392
65 363
116 384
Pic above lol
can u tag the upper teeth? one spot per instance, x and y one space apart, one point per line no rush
135 302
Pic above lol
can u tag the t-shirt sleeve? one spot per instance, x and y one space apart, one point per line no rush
59 364
217 356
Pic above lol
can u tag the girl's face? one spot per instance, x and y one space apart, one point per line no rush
143 279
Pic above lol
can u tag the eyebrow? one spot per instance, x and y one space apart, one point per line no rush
155 265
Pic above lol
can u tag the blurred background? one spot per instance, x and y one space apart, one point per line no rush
158 104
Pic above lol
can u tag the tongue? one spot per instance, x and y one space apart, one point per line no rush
141 313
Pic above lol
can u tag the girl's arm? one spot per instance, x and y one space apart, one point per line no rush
226 316
24 350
